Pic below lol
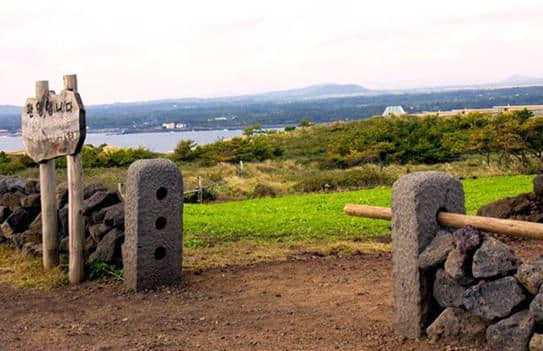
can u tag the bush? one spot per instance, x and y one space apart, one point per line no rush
257 148
262 190
10 165
184 150
369 176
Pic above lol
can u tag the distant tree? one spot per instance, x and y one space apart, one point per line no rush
254 129
184 150
306 123
523 115
483 141
290 128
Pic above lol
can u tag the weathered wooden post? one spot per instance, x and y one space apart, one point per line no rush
76 221
48 185
54 126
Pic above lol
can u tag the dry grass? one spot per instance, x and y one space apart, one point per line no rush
244 253
27 272
23 271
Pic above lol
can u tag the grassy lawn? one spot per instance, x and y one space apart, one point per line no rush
317 217
272 229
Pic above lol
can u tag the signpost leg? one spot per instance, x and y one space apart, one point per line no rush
49 214
76 223
48 204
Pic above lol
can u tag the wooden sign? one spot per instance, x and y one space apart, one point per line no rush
53 125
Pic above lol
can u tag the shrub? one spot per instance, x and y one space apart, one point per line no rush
366 177
10 165
184 150
262 190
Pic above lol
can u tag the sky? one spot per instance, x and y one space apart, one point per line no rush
145 50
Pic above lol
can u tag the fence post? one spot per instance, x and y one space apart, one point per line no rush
200 190
416 200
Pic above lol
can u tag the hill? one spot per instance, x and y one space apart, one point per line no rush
319 103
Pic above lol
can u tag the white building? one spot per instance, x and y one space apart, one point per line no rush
394 110
169 125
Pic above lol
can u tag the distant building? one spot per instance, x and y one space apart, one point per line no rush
169 125
394 110
173 125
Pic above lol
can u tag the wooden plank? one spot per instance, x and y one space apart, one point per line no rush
494 225
49 218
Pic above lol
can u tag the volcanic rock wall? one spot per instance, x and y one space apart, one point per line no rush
482 291
20 218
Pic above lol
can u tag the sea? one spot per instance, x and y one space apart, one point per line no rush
158 142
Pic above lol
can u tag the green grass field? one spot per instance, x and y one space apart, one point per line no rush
317 217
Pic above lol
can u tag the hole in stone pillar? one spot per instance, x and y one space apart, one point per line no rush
161 193
160 223
160 253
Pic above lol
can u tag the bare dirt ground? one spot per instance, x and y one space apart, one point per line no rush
313 303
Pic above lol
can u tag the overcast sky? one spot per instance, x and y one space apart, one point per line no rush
144 50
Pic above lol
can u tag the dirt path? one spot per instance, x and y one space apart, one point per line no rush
309 304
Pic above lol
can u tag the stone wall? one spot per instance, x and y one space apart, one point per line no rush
481 291
523 207
20 218
460 285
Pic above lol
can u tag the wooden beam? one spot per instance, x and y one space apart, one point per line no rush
454 220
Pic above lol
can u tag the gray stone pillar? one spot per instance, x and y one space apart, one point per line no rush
416 200
152 251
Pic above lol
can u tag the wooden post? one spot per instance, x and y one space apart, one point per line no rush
49 216
200 190
76 221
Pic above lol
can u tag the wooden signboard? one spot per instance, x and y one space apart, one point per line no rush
53 125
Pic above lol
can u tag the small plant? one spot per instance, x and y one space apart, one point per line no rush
98 269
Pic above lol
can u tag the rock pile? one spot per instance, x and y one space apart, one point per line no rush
20 218
481 290
524 207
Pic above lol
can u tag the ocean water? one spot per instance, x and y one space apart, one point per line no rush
159 142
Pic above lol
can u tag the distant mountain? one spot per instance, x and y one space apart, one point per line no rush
321 102
313 92
518 80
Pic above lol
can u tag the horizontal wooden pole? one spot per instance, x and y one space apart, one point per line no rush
454 220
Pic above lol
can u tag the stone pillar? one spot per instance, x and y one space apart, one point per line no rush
152 251
416 200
